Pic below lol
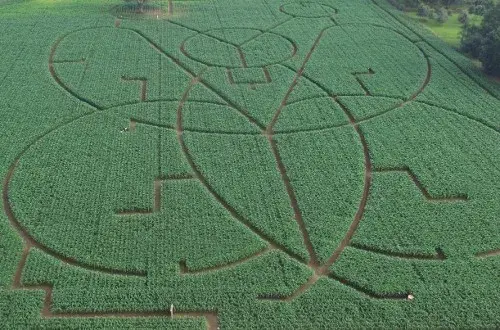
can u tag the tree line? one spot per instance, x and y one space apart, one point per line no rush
483 41
478 41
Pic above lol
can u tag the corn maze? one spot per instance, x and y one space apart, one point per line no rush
243 164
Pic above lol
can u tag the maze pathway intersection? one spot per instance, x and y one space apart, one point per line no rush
268 133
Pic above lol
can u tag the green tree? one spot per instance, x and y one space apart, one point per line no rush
432 13
447 3
480 7
490 50
170 7
483 42
423 10
463 17
471 41
140 4
442 15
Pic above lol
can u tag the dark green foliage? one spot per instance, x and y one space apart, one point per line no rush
423 10
464 17
471 41
432 14
484 42
418 4
442 15
480 7
490 52
189 160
